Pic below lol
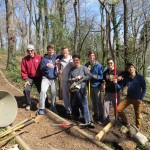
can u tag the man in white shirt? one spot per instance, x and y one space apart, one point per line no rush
64 66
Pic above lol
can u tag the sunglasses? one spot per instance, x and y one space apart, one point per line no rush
110 63
30 51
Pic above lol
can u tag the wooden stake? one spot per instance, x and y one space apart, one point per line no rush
103 131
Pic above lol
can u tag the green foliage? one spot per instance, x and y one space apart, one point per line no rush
14 75
148 91
143 147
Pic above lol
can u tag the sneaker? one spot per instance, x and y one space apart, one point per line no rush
41 112
90 124
28 108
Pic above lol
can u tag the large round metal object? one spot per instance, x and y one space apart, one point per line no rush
8 108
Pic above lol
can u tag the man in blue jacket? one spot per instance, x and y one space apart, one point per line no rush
136 90
95 84
49 75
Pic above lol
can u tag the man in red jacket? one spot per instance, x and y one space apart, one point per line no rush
30 73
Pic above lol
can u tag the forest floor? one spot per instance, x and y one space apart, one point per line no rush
43 136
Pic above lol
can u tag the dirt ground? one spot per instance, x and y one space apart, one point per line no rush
43 136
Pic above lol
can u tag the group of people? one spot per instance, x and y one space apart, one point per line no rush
43 72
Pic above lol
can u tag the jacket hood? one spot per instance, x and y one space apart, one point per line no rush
46 56
88 63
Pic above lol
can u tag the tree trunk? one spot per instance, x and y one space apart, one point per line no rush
76 26
116 35
125 32
46 27
61 6
102 35
30 23
38 22
10 34
1 41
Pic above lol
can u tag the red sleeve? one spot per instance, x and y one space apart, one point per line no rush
24 70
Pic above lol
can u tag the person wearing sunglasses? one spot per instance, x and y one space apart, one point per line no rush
30 73
113 85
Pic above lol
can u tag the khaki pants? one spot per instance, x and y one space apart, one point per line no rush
137 104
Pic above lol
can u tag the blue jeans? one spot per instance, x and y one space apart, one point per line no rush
79 101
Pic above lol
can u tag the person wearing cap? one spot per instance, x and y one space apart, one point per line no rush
30 72
95 86
78 97
135 92
49 75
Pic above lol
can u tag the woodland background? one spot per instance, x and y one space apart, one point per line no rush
113 28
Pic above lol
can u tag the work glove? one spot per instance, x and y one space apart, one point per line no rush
26 83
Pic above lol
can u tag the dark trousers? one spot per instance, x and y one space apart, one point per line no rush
79 101
28 88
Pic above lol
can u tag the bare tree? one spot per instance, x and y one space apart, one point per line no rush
10 33
30 22
125 32
76 25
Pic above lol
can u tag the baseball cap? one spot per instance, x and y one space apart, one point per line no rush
130 64
30 47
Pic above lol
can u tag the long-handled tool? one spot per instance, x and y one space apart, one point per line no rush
116 94
89 88
103 96
7 131
36 120
4 141
68 124
89 91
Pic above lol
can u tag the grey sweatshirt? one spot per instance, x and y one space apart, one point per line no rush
81 71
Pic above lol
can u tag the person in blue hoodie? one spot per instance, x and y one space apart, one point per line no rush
49 75
95 86
135 92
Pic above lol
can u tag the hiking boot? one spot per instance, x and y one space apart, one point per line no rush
41 112
105 122
28 107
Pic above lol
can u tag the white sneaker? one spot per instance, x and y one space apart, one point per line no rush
28 107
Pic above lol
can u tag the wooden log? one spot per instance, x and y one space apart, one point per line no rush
20 141
89 137
103 131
